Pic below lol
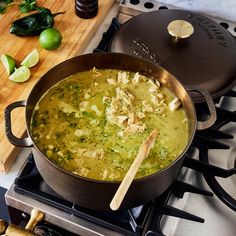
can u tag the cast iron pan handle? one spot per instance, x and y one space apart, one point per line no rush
211 106
21 142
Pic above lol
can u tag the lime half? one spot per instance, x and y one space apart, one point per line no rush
20 75
31 59
9 63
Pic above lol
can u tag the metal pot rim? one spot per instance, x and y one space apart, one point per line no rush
159 172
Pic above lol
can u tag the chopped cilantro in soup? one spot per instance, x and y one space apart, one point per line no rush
93 123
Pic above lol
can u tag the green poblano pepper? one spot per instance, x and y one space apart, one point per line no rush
33 24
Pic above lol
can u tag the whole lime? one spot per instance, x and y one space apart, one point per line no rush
50 39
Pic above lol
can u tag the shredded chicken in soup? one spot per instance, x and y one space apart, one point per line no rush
93 123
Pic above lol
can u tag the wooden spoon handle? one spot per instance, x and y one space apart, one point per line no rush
126 182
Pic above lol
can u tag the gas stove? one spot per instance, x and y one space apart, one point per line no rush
189 199
201 201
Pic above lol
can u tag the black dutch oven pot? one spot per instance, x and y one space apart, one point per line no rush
96 194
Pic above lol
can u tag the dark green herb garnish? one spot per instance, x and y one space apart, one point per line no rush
28 5
3 5
24 7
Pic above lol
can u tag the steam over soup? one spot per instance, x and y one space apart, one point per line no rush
93 123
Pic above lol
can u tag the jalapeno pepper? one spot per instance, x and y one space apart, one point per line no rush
33 24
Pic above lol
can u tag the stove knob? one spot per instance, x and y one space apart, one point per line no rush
180 29
35 217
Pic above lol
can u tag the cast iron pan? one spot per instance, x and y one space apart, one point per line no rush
205 60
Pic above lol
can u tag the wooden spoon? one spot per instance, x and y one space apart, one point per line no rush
126 182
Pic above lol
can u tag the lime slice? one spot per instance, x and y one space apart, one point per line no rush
31 59
20 75
9 63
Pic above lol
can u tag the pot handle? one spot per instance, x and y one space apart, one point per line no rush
21 142
211 106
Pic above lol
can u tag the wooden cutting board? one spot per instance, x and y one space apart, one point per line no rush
76 33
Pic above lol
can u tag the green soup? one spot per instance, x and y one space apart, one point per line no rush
93 123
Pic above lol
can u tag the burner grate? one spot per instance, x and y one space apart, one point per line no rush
204 141
103 46
224 117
